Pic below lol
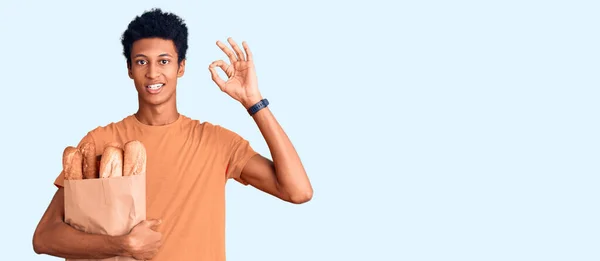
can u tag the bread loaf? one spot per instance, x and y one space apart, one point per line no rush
72 163
116 160
111 163
90 166
134 161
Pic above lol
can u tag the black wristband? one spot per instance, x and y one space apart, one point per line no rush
258 106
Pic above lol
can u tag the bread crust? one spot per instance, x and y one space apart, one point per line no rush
111 163
72 163
134 162
115 160
90 164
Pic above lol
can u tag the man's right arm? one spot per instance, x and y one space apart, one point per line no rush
56 238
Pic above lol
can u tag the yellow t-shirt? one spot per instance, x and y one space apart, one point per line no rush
188 165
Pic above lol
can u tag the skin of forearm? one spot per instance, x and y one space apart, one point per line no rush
290 172
62 240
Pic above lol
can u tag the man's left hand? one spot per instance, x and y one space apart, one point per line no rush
241 84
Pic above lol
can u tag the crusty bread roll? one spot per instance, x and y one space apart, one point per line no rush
90 167
111 164
72 163
134 162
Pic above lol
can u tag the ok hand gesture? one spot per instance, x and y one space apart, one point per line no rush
241 84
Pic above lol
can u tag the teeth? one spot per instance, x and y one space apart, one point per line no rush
155 86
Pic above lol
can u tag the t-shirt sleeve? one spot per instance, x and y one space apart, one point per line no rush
238 152
59 181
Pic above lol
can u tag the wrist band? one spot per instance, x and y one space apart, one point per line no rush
258 106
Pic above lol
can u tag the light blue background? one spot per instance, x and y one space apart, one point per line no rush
431 130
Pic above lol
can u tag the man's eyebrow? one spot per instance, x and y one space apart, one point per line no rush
161 55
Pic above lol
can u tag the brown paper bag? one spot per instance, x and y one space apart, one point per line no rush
109 206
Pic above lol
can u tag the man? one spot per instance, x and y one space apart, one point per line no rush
188 162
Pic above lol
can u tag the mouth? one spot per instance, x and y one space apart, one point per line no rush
154 88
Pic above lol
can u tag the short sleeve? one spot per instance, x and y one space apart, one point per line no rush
237 151
59 181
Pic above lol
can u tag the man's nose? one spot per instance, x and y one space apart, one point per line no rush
152 71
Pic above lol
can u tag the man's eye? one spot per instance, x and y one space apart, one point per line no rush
141 62
164 61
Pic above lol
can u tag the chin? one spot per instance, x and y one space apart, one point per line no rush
157 99
154 100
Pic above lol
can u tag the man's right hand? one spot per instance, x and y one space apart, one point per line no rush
142 243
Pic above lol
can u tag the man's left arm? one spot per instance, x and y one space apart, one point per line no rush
284 177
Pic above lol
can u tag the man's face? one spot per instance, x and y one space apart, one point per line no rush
154 70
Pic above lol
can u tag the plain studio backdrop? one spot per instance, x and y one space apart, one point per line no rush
431 130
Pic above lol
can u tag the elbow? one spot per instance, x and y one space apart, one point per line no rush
38 243
302 197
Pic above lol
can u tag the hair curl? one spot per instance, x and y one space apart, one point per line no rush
156 24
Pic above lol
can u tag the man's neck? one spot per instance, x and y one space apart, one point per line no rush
157 115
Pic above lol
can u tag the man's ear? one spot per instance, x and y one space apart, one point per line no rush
129 71
181 68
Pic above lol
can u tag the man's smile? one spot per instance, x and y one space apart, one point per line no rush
154 88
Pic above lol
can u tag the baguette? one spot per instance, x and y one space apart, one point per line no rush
111 163
72 163
134 162
90 165
115 144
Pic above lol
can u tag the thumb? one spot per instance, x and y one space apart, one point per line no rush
215 76
153 222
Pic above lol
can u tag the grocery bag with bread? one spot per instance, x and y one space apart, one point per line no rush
105 194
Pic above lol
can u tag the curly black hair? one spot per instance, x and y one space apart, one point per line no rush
156 23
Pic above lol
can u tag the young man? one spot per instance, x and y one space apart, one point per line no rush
188 162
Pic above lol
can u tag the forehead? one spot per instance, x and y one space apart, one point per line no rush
153 47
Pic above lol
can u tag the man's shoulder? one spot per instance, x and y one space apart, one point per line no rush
202 125
112 127
211 130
